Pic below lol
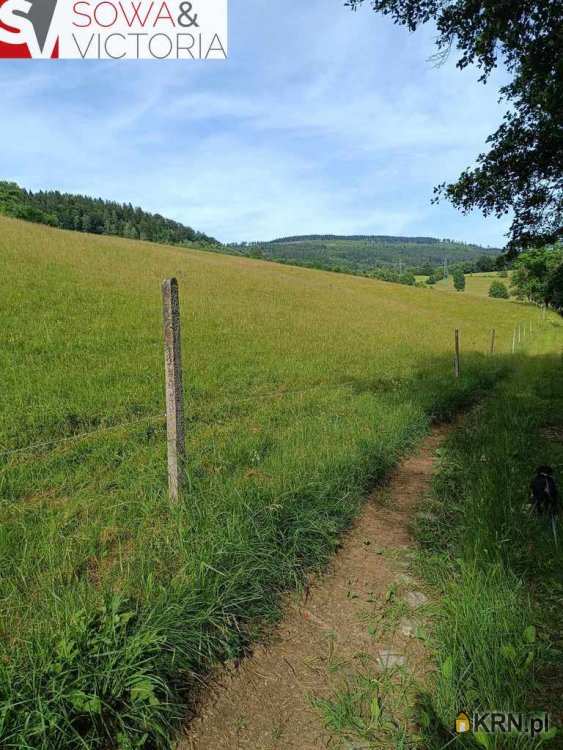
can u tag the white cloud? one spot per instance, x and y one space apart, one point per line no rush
321 121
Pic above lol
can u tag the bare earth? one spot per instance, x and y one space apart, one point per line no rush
365 609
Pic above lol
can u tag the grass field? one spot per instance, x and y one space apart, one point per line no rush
477 284
302 388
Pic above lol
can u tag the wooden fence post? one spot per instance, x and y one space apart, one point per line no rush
457 367
493 340
174 391
514 341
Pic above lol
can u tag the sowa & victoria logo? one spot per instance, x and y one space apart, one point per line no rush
114 29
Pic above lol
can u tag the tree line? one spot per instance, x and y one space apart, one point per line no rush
81 213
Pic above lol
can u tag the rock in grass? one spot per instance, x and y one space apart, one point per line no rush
407 627
389 659
416 599
426 515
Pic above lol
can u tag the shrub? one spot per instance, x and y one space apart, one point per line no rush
499 290
459 280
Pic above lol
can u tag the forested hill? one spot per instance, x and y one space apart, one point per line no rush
373 238
84 214
366 253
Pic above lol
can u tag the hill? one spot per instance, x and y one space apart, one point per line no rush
302 389
84 214
364 253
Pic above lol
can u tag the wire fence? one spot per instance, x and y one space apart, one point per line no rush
279 393
221 399
81 435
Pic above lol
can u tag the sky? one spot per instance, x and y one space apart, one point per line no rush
322 120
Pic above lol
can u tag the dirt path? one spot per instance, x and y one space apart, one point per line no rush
363 614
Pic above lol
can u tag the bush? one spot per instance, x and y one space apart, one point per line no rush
459 280
499 290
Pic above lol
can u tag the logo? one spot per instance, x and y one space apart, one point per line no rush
114 29
462 723
492 722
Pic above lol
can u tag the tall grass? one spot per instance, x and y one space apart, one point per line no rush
303 388
500 571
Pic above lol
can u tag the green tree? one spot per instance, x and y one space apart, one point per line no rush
555 288
484 264
459 280
535 275
521 171
499 290
84 214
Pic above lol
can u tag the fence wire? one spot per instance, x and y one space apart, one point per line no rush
124 425
82 435
225 399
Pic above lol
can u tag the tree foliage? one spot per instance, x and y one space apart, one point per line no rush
521 171
84 214
538 276
366 254
459 280
498 290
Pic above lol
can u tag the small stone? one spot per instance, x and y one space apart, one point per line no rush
356 745
416 599
426 516
390 659
407 628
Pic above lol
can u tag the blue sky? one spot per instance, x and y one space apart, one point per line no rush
322 120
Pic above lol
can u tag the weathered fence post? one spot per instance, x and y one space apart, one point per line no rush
514 341
519 333
493 340
457 368
174 391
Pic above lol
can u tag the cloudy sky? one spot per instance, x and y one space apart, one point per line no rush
322 120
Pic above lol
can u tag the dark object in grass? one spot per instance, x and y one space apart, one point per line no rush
544 494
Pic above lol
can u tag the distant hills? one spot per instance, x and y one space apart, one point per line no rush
358 254
366 253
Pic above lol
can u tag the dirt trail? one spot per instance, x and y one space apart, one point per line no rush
366 606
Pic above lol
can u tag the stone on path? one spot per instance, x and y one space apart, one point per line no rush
407 627
416 599
389 659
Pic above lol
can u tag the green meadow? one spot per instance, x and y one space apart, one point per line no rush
477 284
302 389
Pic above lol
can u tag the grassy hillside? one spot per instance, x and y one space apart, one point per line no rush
302 389
477 284
364 254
